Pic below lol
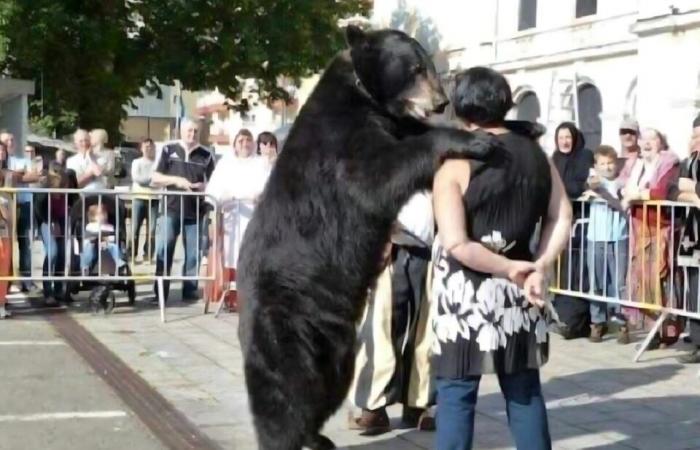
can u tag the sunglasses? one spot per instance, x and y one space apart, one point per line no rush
627 131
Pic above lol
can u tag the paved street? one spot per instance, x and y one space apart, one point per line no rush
51 399
597 397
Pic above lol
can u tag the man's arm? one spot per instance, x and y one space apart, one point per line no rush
161 180
84 178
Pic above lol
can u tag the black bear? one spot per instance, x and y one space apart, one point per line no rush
358 150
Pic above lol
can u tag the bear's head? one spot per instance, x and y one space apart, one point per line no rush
396 72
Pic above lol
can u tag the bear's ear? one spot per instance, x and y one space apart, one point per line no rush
354 36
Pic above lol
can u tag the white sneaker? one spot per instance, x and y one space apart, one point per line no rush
4 313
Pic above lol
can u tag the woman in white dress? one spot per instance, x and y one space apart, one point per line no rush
237 181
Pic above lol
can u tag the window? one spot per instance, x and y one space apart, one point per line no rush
586 8
590 106
528 14
528 107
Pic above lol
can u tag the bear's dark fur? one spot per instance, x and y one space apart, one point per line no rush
358 150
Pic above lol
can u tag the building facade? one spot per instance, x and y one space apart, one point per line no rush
594 62
14 109
156 117
225 117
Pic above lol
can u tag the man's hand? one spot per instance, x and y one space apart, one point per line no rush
594 182
686 184
386 255
587 195
183 183
632 193
518 271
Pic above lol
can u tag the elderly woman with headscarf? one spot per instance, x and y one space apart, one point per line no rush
573 161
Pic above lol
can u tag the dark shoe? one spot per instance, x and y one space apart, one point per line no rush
154 300
371 423
654 344
563 330
598 330
623 335
50 302
190 298
418 418
690 357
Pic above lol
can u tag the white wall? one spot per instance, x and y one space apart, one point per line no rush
14 113
627 43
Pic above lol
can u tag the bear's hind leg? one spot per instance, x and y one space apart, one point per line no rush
319 442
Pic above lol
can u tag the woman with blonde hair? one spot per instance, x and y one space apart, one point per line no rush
104 155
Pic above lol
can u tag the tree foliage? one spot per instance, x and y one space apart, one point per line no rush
93 56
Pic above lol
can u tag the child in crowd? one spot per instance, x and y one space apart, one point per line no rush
607 243
6 222
98 228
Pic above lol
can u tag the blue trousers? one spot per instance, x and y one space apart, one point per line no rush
89 255
527 416
54 247
607 266
165 248
144 210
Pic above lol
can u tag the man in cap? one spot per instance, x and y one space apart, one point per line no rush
629 144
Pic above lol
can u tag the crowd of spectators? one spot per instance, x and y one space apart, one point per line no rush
621 246
182 165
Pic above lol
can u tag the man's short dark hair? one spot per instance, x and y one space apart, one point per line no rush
605 151
148 141
482 96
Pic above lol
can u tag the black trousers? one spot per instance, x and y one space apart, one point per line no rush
408 283
691 292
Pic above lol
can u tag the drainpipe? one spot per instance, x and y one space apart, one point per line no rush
495 33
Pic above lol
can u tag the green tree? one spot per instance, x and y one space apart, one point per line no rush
89 57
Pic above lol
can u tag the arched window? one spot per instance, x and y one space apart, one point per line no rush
590 106
528 107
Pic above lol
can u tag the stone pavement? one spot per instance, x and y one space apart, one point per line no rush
597 397
51 399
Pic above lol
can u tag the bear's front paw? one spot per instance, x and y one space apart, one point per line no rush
525 128
476 145
481 145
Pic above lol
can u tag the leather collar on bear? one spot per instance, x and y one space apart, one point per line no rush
363 90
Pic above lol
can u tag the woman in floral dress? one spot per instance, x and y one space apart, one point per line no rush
488 287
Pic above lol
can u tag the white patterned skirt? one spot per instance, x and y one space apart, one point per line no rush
482 324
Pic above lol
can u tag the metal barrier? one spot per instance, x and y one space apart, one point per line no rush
639 270
66 221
